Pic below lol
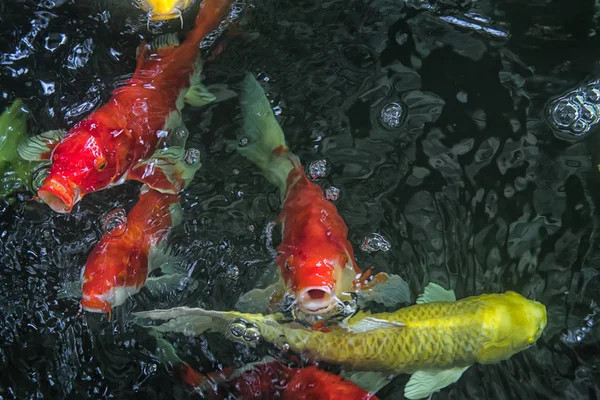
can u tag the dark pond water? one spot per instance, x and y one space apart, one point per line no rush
474 191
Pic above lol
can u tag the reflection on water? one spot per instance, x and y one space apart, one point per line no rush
470 187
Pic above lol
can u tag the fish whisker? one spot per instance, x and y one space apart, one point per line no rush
180 15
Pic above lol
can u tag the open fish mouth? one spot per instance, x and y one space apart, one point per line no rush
316 300
59 196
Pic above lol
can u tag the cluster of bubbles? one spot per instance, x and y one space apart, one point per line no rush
244 332
577 111
375 242
318 169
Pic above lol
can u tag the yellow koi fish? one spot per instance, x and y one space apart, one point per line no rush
436 340
160 10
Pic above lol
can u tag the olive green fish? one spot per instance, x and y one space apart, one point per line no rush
436 340
15 172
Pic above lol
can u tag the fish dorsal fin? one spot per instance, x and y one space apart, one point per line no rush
422 384
434 292
164 43
370 323
39 147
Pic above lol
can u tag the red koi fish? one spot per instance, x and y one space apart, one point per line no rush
116 142
272 380
119 265
315 258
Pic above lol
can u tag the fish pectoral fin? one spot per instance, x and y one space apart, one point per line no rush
371 381
198 95
424 383
69 290
161 257
434 292
186 320
259 300
369 323
168 170
166 283
392 292
39 147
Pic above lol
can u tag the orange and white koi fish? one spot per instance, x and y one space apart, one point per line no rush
119 265
315 259
116 142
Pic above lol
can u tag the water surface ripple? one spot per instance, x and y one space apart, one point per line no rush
472 191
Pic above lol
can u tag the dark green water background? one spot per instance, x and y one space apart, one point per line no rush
474 191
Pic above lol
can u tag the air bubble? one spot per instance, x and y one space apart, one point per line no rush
592 93
580 127
375 242
243 142
318 169
252 335
237 329
565 113
233 272
114 223
392 115
332 193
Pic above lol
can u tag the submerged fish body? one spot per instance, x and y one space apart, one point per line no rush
119 264
315 258
436 340
111 144
160 10
265 379
273 380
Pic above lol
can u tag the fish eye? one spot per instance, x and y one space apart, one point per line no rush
101 165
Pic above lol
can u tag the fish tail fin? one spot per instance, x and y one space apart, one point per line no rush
13 124
264 142
167 355
210 16
186 320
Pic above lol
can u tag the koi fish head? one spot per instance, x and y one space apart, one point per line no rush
318 282
160 10
80 165
519 322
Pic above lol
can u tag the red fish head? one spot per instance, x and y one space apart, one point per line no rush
81 164
318 281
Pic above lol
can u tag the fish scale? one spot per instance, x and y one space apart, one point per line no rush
438 335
